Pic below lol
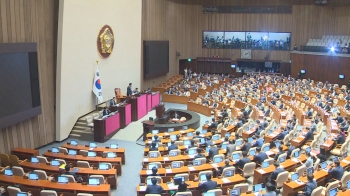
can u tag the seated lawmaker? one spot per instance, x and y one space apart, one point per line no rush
105 111
227 164
275 173
336 171
199 154
310 186
67 172
173 146
154 188
241 162
260 156
153 146
208 185
213 124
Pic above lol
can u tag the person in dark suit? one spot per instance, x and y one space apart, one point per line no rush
340 138
275 173
153 146
213 151
283 134
213 124
154 188
208 141
199 154
231 147
309 135
169 91
247 112
280 151
227 164
176 115
105 112
154 172
273 101
260 156
208 185
112 102
267 112
339 118
67 172
241 162
173 146
156 138
327 107
239 123
129 90
309 112
345 126
246 145
336 171
258 142
290 149
197 135
310 186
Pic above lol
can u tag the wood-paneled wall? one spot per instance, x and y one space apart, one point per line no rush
321 68
32 21
182 23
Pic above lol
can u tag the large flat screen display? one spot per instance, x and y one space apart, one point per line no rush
19 83
155 58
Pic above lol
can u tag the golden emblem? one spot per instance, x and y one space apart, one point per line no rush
105 41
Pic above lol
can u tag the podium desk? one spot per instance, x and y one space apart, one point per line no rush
119 151
125 114
149 102
25 153
92 160
292 188
35 186
155 99
110 174
104 129
138 106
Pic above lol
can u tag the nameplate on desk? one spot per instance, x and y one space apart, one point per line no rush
299 182
143 188
269 153
182 131
273 135
214 165
192 168
148 172
225 180
297 140
261 171
185 138
145 160
295 160
165 133
172 186
346 161
166 158
169 171
191 156
326 144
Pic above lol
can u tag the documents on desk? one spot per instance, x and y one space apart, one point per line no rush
143 188
295 160
226 180
145 159
166 158
192 168
346 161
172 186
168 171
215 165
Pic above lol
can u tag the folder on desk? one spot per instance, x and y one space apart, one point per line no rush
63 166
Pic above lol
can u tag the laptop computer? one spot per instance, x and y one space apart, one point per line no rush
218 160
223 146
202 140
8 172
55 163
204 131
151 165
296 154
184 128
34 160
246 128
94 181
207 149
149 181
111 155
93 145
265 164
197 162
250 139
192 152
282 159
310 170
227 134
209 194
238 142
251 152
308 149
269 132
203 178
91 154
187 142
153 154
22 194
171 130
258 187
189 134
235 192
173 137
72 152
348 183
229 173
33 176
54 150
113 146
103 166
62 179
236 156
179 180
324 165
333 192
294 177
155 131
278 144
175 165
266 148
73 142
216 137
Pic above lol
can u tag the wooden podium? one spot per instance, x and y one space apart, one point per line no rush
147 127
160 110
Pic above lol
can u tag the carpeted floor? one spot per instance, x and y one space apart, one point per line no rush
127 138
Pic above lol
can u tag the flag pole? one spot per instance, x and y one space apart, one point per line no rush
96 105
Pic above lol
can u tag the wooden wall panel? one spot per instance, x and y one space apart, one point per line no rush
185 23
32 21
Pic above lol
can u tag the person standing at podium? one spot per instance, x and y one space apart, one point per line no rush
129 90
105 111
112 102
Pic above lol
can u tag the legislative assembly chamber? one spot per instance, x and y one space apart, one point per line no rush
174 97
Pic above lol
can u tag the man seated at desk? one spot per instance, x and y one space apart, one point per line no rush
153 146
172 146
154 188
213 151
213 124
280 151
106 111
219 171
260 156
231 147
208 185
199 154
67 172
258 130
176 116
309 187
340 139
112 102
336 171
259 141
241 162
275 173
246 145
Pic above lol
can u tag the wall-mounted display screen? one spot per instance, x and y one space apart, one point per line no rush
341 76
247 40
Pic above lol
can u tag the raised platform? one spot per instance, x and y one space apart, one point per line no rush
192 120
